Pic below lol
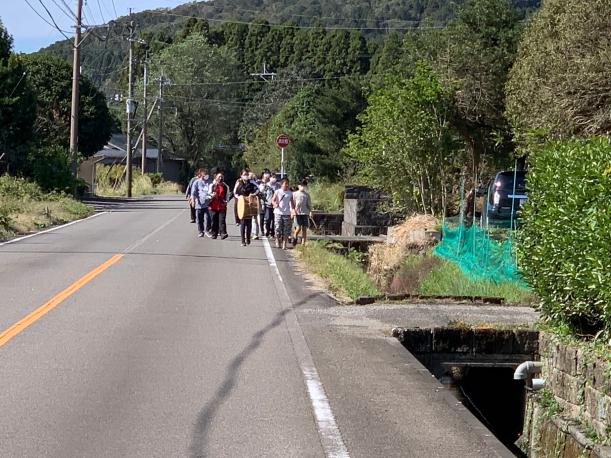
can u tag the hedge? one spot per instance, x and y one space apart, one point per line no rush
564 248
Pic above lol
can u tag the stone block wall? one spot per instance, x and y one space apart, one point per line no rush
578 385
328 223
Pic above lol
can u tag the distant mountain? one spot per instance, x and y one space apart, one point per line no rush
104 51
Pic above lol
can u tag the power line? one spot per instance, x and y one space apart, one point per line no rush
101 14
68 13
289 26
335 18
287 80
114 8
63 32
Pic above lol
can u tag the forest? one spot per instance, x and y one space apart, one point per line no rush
410 104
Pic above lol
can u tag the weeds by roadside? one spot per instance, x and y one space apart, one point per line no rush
24 207
447 279
110 182
428 274
342 275
326 196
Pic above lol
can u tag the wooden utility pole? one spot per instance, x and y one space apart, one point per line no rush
144 115
130 109
76 77
162 81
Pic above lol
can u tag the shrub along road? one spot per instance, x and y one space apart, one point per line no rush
125 335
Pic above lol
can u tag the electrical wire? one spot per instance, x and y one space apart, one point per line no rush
55 26
101 14
68 13
334 18
114 9
277 80
289 26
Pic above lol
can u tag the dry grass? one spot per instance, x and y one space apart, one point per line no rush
24 208
384 260
111 183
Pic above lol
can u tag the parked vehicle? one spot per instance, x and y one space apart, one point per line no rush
504 196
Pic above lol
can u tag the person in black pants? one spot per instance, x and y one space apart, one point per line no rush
219 194
188 194
245 187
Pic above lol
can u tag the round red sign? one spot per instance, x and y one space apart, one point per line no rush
282 140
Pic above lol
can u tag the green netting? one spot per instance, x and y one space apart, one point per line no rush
479 256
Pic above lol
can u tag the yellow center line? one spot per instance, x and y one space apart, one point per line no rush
41 311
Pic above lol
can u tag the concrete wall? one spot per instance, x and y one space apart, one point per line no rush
328 223
362 212
572 418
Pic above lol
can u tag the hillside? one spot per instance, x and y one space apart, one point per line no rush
104 52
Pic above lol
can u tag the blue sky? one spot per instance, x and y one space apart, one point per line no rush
30 32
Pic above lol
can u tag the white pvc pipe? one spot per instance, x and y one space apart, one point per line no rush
527 369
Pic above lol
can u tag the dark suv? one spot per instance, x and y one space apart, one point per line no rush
502 196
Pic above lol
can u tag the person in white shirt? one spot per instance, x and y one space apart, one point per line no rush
303 212
283 208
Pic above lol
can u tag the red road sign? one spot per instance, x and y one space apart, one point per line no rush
282 140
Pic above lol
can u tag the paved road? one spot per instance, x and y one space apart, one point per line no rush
175 346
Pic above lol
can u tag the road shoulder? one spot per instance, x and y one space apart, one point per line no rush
385 402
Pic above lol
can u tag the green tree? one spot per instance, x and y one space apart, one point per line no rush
473 58
257 32
17 106
317 119
406 144
560 85
51 78
202 113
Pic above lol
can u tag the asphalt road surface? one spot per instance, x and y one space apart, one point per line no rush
125 335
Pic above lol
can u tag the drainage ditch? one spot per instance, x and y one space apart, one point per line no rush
477 366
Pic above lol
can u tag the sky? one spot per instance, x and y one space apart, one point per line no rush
30 32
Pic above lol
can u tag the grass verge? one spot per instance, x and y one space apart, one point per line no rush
446 278
25 208
428 274
342 275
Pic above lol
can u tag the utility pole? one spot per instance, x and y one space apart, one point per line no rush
265 74
144 114
162 81
130 109
76 76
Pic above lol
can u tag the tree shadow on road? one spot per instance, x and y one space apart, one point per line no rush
199 441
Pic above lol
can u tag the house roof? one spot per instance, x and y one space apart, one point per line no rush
115 149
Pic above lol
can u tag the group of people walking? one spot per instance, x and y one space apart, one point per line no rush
282 213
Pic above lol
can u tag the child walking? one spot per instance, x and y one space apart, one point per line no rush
303 212
283 208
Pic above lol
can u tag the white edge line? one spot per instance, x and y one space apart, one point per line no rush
328 431
55 228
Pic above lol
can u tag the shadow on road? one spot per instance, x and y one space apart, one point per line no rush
121 204
204 420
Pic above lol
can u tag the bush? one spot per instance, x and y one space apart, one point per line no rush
564 249
19 188
155 178
51 169
326 196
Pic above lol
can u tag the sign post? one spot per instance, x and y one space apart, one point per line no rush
282 141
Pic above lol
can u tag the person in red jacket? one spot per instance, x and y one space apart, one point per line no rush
219 193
